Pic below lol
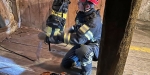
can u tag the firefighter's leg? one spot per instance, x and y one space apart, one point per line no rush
85 54
70 58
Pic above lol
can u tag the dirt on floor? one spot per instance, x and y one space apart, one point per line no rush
18 54
21 48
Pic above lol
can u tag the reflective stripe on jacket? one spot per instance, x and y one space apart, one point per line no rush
85 33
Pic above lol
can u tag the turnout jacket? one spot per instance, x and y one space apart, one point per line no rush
87 29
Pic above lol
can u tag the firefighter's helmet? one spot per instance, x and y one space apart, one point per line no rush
95 2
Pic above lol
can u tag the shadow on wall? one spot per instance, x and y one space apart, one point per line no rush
2 23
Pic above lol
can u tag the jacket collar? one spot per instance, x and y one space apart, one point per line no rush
89 12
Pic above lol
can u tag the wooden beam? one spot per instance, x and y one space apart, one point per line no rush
119 22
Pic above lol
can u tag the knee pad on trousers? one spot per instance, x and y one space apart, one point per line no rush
72 61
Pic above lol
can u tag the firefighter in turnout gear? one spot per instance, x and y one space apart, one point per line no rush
85 35
56 21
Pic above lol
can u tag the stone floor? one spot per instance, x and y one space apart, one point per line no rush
18 55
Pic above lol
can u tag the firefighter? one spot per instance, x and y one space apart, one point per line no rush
85 35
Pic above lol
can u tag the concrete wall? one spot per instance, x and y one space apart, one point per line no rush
144 13
143 22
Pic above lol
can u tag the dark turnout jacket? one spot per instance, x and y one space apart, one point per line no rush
87 29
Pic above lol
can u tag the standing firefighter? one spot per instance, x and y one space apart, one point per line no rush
85 35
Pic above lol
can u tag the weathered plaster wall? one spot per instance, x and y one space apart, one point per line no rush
34 12
9 14
8 17
3 14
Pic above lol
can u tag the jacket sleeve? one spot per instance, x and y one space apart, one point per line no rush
81 36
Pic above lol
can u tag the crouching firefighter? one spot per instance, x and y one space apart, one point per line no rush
85 35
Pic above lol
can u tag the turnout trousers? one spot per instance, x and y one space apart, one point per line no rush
81 56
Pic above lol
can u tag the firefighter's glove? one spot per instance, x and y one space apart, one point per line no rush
74 28
71 30
60 37
60 5
56 39
51 40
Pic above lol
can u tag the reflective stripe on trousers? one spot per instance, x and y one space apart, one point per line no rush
85 54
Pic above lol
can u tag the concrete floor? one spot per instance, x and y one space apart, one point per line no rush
18 55
138 61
